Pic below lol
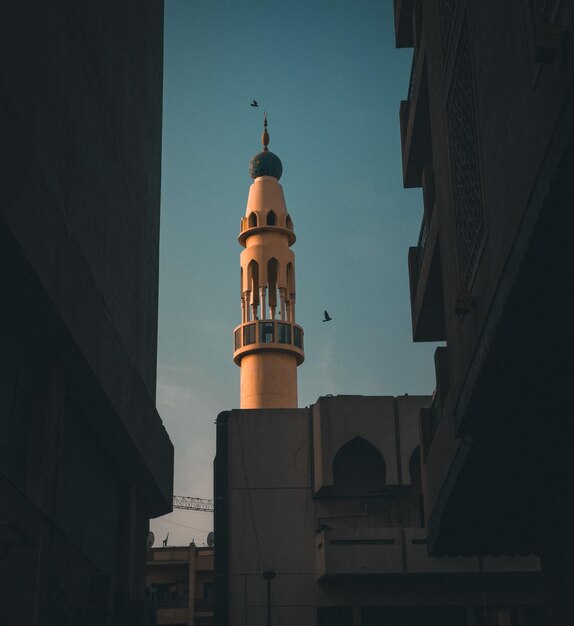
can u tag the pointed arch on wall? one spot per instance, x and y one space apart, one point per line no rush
288 222
358 469
252 220
271 218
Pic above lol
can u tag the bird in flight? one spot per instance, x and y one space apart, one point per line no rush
254 103
328 318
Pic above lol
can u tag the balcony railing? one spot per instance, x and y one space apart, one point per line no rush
353 552
421 245
269 331
412 78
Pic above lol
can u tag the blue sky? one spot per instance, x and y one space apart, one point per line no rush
331 80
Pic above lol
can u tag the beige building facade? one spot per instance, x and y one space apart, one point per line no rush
320 516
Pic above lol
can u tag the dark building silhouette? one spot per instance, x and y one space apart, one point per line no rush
487 132
84 458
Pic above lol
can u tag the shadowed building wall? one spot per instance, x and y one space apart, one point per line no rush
487 131
84 457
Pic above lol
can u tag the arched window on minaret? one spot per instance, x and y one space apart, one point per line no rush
271 218
272 270
290 295
253 287
243 298
358 469
252 220
289 222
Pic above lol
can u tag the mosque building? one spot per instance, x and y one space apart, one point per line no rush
319 511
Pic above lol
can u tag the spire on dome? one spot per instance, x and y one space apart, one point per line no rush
265 135
265 163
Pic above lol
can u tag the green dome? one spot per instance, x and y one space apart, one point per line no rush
265 164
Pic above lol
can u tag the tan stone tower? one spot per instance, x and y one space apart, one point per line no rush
268 342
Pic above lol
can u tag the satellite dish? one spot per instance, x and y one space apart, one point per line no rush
150 539
211 539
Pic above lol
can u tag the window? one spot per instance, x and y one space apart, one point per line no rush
238 339
283 332
358 469
265 332
248 334
272 271
252 220
334 616
298 333
271 218
413 616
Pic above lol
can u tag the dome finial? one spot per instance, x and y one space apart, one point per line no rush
265 135
265 163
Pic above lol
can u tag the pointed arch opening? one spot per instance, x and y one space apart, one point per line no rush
242 295
290 295
252 220
271 218
289 223
272 271
253 286
358 469
290 280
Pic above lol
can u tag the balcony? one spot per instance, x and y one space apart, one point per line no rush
261 335
404 23
357 552
379 551
415 124
425 277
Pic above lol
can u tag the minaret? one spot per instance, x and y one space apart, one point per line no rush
268 342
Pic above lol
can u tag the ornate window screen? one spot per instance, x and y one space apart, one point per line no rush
447 14
539 10
465 170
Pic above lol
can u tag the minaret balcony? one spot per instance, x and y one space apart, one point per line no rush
262 335
247 231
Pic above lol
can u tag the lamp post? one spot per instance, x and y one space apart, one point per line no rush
269 575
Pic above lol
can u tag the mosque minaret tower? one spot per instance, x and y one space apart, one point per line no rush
268 342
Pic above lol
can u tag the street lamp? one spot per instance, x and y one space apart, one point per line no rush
269 575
